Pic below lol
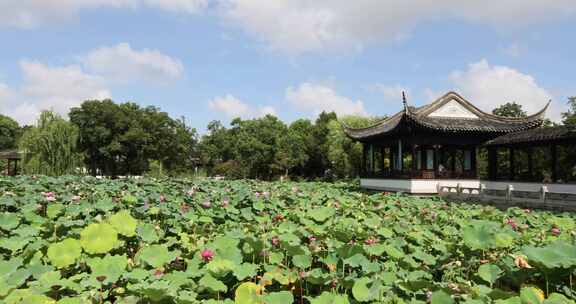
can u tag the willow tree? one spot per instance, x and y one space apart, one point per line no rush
50 147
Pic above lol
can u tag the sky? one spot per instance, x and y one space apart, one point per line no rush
219 59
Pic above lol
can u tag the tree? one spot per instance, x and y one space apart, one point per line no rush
319 163
121 139
50 148
293 151
343 152
9 132
510 109
569 117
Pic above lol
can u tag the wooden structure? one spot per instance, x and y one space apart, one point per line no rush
417 147
12 158
546 155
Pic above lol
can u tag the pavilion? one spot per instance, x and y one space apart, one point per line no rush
442 142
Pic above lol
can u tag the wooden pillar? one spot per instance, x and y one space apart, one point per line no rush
530 152
436 156
473 161
554 152
364 157
492 163
9 169
400 158
414 160
382 159
512 163
372 162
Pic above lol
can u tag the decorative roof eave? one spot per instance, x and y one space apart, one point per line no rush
535 136
487 123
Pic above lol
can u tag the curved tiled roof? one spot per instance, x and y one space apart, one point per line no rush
539 135
420 117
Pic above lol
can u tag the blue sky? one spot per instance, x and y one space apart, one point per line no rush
217 59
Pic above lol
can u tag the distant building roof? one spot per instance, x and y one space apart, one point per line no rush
449 113
535 136
10 154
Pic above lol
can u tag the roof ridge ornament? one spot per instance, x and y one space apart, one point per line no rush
404 102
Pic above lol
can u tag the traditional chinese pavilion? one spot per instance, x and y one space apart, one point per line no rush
415 149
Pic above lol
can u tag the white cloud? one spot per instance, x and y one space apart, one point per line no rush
298 26
489 86
32 13
233 107
179 6
393 92
122 63
316 98
50 88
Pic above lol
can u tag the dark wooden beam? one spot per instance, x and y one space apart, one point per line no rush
492 163
554 151
512 163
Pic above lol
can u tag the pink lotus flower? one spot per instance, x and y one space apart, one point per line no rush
225 202
302 274
190 192
295 189
512 224
206 204
158 273
207 255
76 198
257 194
49 196
312 238
555 231
371 241
266 194
162 198
275 241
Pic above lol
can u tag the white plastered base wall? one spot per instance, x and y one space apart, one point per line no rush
415 186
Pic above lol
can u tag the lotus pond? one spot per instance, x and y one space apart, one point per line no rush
87 240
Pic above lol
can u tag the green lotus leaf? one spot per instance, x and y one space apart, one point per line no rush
124 223
157 255
53 210
148 233
9 221
321 214
531 295
98 238
220 267
65 253
329 298
440 297
247 293
556 298
512 300
245 270
212 284
281 297
559 254
14 244
478 237
489 273
302 261
129 199
360 290
110 267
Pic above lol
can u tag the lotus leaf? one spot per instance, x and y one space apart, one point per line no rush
65 253
109 267
9 221
247 293
156 255
124 223
489 273
212 284
531 295
98 238
441 297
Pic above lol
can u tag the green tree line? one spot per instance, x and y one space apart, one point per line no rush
102 137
